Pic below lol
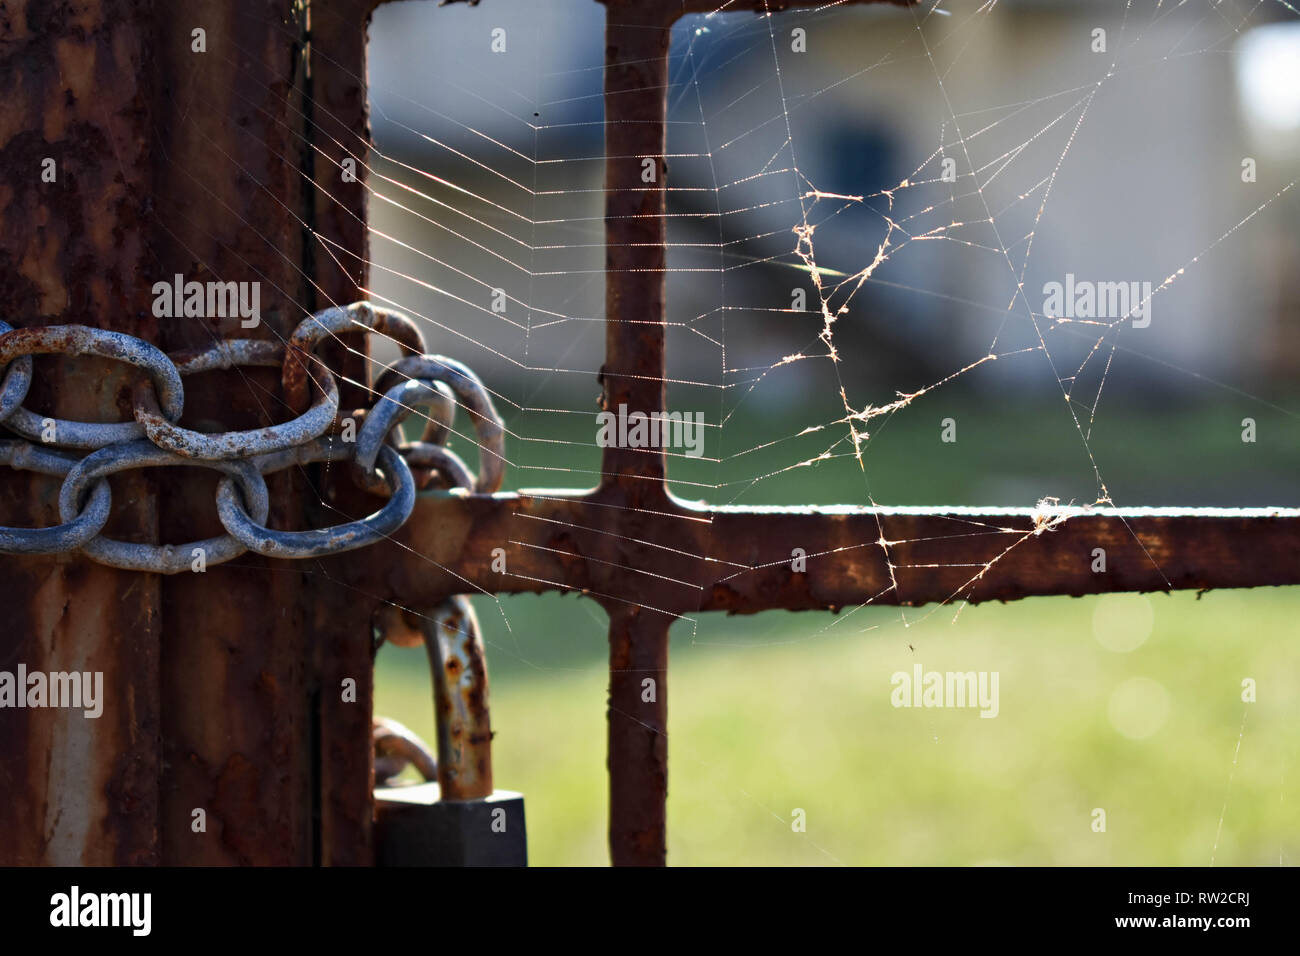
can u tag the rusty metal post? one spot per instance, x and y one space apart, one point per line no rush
75 148
174 156
636 91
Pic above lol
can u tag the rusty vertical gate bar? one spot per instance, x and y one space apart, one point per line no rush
637 36
636 92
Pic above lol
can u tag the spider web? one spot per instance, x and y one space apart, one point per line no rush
857 235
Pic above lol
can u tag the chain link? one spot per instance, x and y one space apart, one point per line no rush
17 380
343 537
473 397
64 537
333 322
436 385
242 444
396 748
398 404
167 559
82 340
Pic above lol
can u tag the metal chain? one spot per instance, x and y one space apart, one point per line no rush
154 439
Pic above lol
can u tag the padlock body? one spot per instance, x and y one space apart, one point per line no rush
413 827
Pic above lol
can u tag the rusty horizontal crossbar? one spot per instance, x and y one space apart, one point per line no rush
681 558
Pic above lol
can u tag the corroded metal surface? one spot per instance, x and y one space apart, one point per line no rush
174 161
238 688
17 380
458 664
167 444
312 423
638 735
636 91
741 560
168 161
439 466
338 259
78 790
637 35
329 324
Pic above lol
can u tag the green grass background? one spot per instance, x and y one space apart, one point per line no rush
784 711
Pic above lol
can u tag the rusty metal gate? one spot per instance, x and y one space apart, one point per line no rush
225 680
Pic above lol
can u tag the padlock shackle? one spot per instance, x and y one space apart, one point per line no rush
458 664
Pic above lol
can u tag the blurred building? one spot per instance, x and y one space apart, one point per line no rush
1117 165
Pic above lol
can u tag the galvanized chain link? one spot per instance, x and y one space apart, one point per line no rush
473 397
397 404
155 439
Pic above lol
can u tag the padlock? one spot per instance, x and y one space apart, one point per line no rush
459 819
